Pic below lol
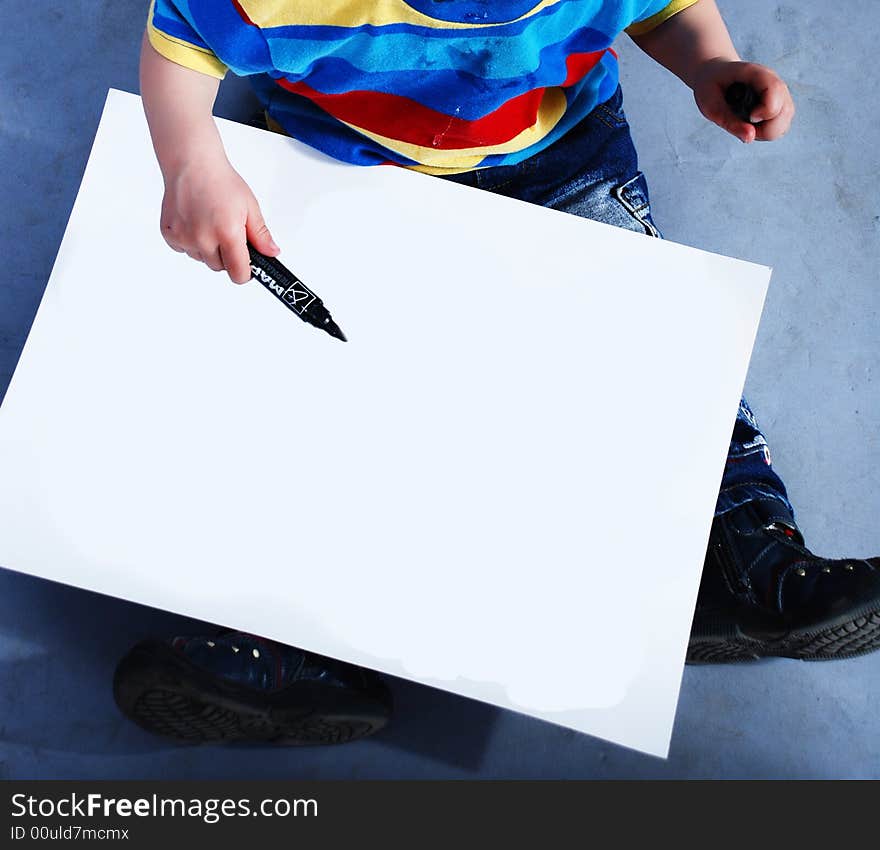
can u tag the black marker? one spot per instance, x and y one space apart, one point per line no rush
289 289
742 99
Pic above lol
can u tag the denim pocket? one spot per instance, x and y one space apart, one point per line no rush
633 196
610 112
497 177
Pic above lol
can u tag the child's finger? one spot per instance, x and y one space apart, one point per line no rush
727 119
258 232
744 131
212 259
749 134
716 109
236 259
775 128
772 102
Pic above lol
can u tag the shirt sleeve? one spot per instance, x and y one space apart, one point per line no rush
175 38
655 13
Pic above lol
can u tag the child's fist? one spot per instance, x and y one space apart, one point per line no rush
210 213
772 116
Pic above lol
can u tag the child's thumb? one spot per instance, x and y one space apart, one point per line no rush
258 233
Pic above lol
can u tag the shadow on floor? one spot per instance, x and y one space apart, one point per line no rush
60 645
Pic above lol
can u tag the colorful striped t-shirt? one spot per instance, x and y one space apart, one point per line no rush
438 85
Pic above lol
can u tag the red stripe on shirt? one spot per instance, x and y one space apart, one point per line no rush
578 65
407 120
244 15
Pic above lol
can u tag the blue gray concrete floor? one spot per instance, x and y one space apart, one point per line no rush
808 205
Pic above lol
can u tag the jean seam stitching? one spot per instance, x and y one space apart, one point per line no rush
607 123
618 119
744 483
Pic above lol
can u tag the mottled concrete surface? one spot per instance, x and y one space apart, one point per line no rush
807 205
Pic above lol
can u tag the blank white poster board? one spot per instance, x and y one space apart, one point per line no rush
501 486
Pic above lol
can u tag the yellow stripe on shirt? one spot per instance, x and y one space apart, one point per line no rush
356 13
182 52
676 6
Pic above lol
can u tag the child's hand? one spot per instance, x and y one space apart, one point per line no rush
209 212
772 115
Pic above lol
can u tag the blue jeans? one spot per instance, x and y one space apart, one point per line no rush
593 172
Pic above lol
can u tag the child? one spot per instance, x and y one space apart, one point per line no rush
519 97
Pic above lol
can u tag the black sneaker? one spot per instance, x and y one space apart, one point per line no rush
764 594
239 687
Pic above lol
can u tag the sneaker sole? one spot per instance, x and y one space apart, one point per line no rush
850 635
164 693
